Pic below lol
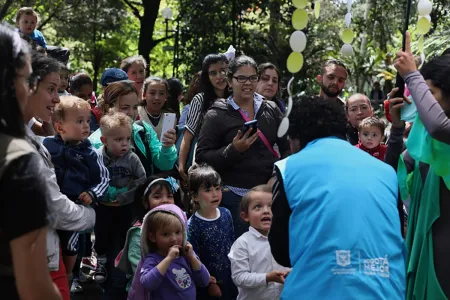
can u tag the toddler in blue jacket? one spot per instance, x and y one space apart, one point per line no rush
27 19
80 171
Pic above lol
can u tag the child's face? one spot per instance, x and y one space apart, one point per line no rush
117 141
370 137
75 127
85 92
27 23
167 237
160 195
136 73
64 81
156 96
209 198
259 213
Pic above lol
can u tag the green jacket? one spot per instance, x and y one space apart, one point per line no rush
162 157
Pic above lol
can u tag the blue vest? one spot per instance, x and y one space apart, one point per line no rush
344 232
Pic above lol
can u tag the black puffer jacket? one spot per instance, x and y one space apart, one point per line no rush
252 167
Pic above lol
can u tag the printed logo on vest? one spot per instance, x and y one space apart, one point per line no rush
182 278
343 258
344 263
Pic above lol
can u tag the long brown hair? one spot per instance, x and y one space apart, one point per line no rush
112 93
193 89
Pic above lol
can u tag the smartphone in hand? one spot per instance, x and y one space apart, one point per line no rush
168 123
250 124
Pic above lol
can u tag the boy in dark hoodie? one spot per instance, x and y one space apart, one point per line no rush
79 168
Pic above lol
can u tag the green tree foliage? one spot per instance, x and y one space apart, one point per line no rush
100 33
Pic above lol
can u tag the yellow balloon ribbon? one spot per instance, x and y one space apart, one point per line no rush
300 3
294 62
299 19
423 25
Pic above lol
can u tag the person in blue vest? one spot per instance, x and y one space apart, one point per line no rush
335 217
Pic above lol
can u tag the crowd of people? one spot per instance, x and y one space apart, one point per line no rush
346 205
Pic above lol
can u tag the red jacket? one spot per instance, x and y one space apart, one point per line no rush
377 152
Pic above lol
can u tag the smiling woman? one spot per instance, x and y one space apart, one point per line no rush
41 103
70 216
243 159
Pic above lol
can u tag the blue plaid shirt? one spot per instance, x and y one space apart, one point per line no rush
256 105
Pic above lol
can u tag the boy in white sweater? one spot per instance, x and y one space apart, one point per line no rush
253 269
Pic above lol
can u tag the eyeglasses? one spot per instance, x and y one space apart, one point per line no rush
284 125
243 79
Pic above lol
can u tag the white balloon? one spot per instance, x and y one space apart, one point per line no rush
283 128
428 18
424 7
348 19
298 41
347 50
349 5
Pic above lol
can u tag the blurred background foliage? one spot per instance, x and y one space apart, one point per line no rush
100 33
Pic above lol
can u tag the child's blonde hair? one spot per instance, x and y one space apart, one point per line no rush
114 120
372 121
66 103
27 11
160 219
265 188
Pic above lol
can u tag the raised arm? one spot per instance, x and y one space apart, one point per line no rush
431 113
164 158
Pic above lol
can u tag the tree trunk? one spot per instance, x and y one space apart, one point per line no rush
148 20
5 8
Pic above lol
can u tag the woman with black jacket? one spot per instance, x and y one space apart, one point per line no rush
243 159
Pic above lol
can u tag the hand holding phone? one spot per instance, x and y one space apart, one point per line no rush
168 123
250 124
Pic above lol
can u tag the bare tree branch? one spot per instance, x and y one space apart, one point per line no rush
133 8
156 42
5 8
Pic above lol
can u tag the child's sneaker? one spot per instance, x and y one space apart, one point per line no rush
76 287
88 262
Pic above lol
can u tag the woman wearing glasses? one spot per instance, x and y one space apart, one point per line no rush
23 191
243 159
213 85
